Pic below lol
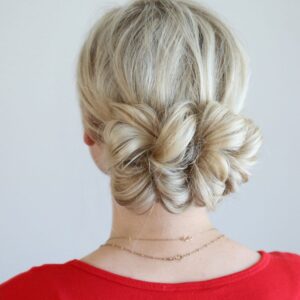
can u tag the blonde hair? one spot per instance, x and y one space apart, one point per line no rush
162 83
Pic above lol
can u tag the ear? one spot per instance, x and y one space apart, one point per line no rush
88 140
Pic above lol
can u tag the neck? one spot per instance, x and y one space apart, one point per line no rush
159 223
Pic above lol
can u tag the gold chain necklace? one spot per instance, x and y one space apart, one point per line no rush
170 258
184 238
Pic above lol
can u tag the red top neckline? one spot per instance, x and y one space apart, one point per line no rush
258 266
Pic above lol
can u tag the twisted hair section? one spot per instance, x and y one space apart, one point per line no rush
198 153
162 84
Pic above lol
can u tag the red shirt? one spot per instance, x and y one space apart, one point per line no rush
275 276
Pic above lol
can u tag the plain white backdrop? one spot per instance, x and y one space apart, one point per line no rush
55 205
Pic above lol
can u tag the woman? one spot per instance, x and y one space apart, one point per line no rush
161 86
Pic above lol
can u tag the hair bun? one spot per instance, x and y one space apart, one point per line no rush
229 144
195 152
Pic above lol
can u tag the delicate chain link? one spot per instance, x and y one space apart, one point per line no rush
182 238
171 258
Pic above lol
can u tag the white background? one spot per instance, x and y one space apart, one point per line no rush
55 204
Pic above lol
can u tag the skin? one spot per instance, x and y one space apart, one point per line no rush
220 258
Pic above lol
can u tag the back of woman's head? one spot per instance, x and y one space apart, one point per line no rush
161 84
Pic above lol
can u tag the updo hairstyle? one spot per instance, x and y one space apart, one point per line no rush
161 83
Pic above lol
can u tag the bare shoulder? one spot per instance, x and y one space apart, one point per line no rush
235 249
226 258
